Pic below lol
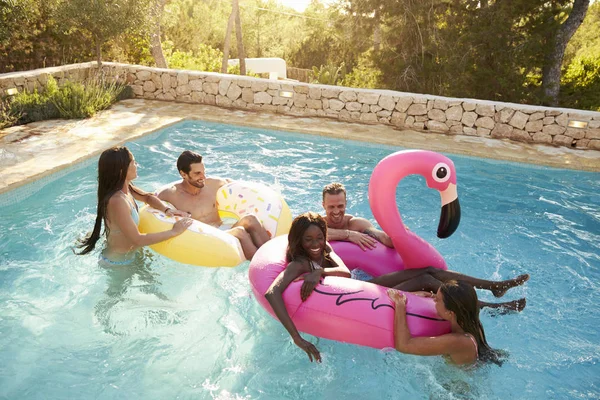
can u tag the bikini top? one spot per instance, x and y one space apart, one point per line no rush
134 211
474 342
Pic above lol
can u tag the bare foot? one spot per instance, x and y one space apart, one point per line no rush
503 286
505 308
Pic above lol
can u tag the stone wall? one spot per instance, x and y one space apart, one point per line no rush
518 122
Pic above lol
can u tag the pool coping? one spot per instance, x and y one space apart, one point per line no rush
34 151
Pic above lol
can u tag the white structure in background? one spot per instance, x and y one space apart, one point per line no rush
274 66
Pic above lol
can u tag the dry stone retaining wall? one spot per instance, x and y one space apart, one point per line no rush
518 122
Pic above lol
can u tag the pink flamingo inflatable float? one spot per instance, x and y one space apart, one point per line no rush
358 312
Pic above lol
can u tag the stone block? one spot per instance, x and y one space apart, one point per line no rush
437 126
262 98
575 133
234 92
554 130
520 135
548 120
224 87
243 83
368 117
365 108
519 120
420 100
347 96
501 131
552 113
562 120
335 104
582 143
247 95
198 97
562 140
485 110
299 99
469 131
183 90
182 78
368 98
409 121
484 132
398 118
386 103
469 106
506 114
211 88
210 99
594 144
330 93
279 101
301 89
403 104
592 134
149 86
314 93
537 115
437 115
540 137
534 126
165 79
314 104
260 86
384 114
417 109
374 108
454 113
353 106
469 118
441 104
143 75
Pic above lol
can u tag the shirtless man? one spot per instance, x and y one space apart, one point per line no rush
344 227
196 194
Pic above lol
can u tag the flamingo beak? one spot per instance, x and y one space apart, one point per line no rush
450 216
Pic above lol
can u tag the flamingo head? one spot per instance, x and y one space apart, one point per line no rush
440 174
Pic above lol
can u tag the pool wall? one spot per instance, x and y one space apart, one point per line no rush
497 120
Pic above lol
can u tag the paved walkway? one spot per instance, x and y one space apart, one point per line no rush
33 151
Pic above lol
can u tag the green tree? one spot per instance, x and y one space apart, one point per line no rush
105 19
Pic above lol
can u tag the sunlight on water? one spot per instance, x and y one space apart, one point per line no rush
156 330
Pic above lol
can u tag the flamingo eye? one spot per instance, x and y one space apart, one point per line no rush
441 172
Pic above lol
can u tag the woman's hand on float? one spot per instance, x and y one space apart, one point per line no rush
308 348
397 297
364 241
310 283
180 226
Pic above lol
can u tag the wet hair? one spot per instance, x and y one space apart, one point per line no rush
112 171
333 189
186 159
300 224
461 298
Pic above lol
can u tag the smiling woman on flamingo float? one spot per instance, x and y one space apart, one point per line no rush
359 312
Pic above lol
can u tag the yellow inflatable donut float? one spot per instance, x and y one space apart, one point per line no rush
205 245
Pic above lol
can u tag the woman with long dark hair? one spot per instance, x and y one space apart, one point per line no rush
456 302
118 210
307 253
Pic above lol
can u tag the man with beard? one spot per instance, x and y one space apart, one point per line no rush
344 227
197 194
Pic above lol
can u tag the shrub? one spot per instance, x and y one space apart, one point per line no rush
581 84
82 100
329 74
33 106
364 75
8 115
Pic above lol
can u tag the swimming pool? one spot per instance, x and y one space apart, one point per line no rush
70 329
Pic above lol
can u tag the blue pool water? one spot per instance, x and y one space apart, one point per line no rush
162 330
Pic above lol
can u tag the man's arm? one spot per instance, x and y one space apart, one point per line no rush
365 227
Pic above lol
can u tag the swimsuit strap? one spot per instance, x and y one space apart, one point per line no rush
474 342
